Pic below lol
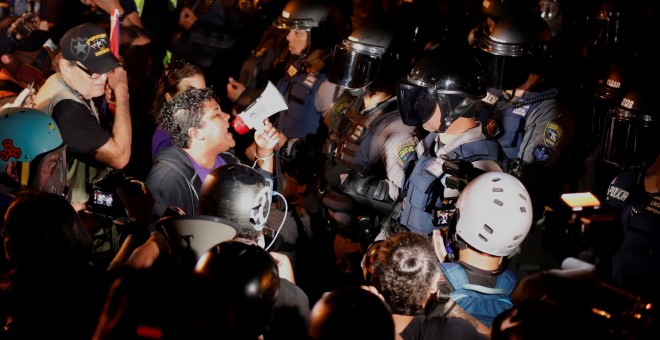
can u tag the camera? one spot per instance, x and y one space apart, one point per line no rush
459 173
103 199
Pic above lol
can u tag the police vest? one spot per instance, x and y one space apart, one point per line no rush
302 118
425 191
354 145
637 261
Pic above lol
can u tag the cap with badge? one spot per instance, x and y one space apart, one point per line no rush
89 45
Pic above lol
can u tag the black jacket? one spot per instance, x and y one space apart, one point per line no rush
173 181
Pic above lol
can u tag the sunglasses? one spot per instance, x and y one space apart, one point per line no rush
91 74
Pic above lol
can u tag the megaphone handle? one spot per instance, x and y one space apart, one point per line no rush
273 141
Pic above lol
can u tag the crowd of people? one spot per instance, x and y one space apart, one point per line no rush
424 144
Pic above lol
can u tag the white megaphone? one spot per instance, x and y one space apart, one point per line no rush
269 103
191 236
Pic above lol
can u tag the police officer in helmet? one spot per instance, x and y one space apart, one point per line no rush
440 94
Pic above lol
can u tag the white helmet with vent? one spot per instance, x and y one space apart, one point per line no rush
494 213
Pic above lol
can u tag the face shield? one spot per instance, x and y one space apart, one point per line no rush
604 28
294 24
551 13
505 72
418 100
50 173
629 138
354 65
605 99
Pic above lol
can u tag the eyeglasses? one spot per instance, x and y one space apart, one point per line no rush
91 74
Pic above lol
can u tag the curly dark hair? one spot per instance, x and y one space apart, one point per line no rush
404 271
185 111
169 81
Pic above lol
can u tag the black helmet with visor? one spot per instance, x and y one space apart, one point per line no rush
517 45
453 81
631 130
357 60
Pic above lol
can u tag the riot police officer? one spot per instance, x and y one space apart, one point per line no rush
523 110
630 143
368 142
440 94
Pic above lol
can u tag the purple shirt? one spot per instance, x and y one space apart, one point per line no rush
201 171
160 140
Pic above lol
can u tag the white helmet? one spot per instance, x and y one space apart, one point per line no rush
494 213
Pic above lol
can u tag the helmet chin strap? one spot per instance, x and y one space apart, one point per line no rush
25 173
308 47
460 110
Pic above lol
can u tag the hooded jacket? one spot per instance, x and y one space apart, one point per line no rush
174 181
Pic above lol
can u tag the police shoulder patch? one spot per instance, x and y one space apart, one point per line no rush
552 134
404 150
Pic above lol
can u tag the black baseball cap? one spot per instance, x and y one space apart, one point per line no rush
89 45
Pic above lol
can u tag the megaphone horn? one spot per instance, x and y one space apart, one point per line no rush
269 102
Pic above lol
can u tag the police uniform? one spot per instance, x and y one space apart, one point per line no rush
636 265
425 187
374 142
534 129
531 126
307 95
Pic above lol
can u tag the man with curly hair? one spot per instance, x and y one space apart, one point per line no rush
199 131
407 275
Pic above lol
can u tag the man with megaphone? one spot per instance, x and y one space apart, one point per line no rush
201 137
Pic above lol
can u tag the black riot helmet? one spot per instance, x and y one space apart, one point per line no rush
302 15
517 45
242 282
605 25
452 80
321 18
607 94
356 61
630 138
239 194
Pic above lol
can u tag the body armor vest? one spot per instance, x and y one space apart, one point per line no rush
424 190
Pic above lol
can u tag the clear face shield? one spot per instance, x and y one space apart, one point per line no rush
418 100
629 139
50 173
551 13
354 65
605 99
505 72
604 28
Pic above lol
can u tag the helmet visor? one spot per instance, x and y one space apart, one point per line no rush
353 69
416 102
294 24
51 173
504 72
629 139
